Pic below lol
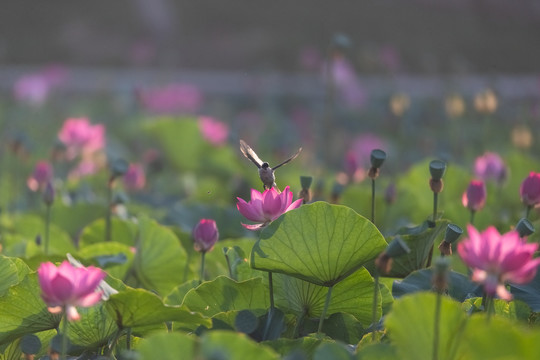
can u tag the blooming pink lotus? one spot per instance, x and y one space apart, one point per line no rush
212 130
65 287
134 178
474 198
266 207
205 235
497 259
490 166
530 189
42 174
81 137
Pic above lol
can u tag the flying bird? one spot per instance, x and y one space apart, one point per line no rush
266 173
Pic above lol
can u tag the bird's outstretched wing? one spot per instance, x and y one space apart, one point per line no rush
289 159
250 154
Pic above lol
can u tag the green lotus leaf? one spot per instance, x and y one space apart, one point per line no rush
12 271
319 243
22 311
168 346
94 329
224 294
159 259
115 258
353 295
122 231
139 307
410 326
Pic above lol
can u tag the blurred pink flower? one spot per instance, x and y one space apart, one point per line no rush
65 287
42 174
81 137
85 167
362 146
134 178
171 99
474 198
530 189
490 166
34 88
497 259
31 88
266 207
346 83
213 131
205 235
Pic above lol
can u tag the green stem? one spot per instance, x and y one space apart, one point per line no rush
114 342
373 201
229 267
527 211
490 308
323 314
435 199
436 327
63 350
128 338
108 214
201 277
375 303
47 228
472 217
299 323
271 289
272 306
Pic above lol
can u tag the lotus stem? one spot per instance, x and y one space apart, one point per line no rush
373 201
271 311
63 349
527 211
323 314
375 301
201 277
47 229
472 217
436 327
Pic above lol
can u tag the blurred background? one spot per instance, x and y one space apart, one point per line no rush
421 79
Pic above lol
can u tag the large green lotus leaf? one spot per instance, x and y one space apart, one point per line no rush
238 252
320 243
22 311
95 328
378 351
139 307
335 351
122 231
305 345
419 239
353 295
168 346
339 326
160 259
176 296
459 285
12 351
224 294
28 227
115 258
232 345
12 271
73 218
499 338
411 321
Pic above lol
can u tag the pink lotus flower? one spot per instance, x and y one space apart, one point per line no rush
42 174
81 137
474 198
497 259
134 178
490 166
530 189
212 130
65 287
205 235
266 207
